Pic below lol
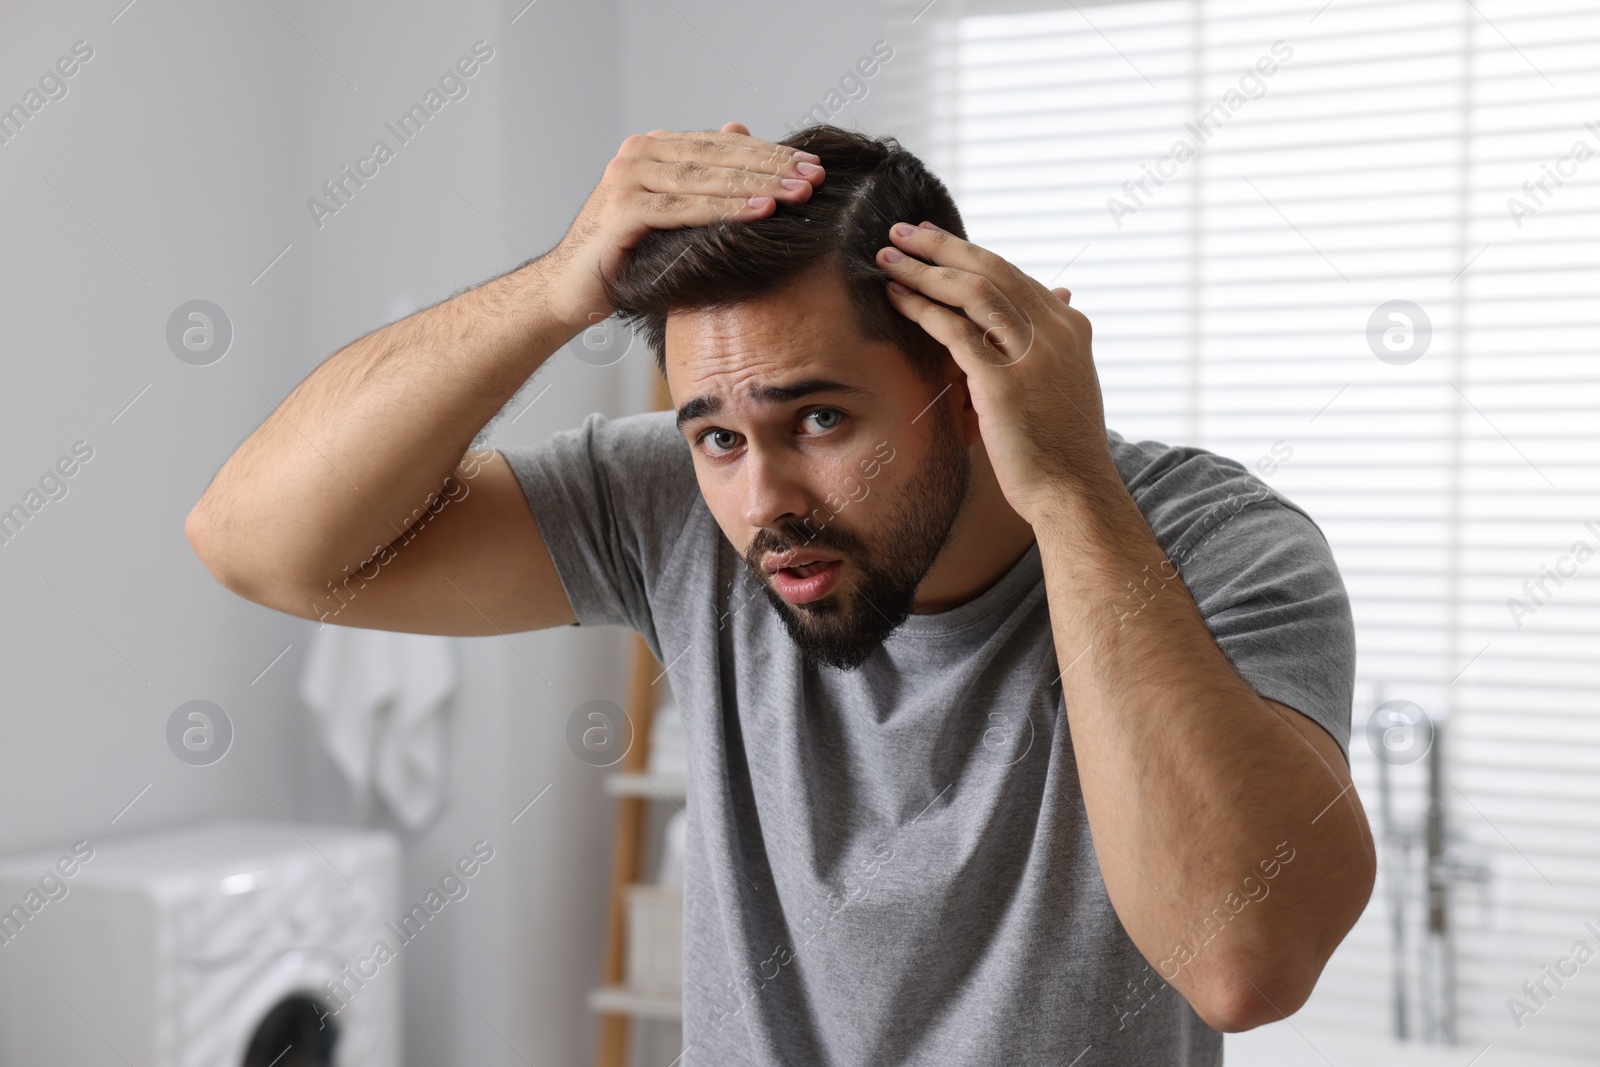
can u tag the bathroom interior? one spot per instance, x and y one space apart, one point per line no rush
216 810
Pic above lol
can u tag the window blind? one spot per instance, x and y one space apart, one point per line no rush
1374 278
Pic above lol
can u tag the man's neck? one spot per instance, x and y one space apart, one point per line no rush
988 540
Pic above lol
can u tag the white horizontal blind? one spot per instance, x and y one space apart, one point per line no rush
1231 305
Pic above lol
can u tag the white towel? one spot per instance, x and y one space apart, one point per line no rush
380 699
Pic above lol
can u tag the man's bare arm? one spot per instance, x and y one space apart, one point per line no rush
361 447
367 458
1192 782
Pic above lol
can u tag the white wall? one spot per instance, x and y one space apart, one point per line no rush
703 63
167 153
190 143
187 148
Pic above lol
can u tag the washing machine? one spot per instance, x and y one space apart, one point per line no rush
223 944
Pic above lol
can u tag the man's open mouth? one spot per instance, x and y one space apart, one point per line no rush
798 564
802 577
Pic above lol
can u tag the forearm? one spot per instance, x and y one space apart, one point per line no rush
364 443
1191 781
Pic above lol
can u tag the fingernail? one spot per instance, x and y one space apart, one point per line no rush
759 202
793 184
812 156
894 255
905 229
931 226
808 169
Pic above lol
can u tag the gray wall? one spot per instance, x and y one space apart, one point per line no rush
177 166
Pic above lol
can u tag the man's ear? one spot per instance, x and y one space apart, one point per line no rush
961 396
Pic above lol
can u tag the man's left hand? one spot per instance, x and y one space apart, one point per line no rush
1025 352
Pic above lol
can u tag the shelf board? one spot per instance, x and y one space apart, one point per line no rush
620 1000
649 786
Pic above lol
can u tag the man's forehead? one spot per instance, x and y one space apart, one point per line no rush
773 350
738 369
768 334
804 319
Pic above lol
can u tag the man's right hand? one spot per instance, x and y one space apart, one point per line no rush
665 180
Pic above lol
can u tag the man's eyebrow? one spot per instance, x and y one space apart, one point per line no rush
704 407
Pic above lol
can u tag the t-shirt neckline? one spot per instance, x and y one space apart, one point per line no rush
993 603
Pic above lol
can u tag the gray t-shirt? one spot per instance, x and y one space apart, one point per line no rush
892 866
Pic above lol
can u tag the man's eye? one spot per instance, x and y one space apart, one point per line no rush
712 435
831 417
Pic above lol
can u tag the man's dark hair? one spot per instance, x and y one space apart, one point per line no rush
869 184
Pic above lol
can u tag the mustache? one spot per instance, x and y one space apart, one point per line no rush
766 543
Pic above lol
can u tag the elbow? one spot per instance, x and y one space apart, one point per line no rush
1246 999
246 569
194 533
198 531
1271 976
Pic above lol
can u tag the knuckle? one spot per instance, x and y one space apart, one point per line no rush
979 345
619 200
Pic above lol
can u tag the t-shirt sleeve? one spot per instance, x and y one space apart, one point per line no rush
606 495
1264 578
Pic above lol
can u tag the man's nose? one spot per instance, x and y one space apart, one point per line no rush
775 491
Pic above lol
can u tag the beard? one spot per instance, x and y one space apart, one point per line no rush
844 628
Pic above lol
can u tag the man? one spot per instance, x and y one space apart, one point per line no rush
1011 741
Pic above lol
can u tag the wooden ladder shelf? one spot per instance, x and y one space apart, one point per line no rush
616 1005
